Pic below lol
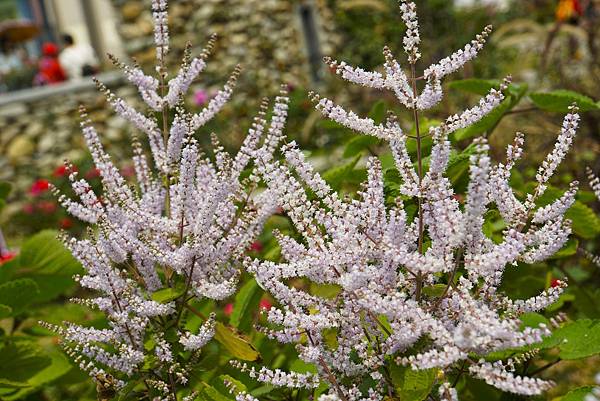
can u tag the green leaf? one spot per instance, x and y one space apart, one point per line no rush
358 144
578 339
5 188
239 386
569 249
209 393
328 291
474 85
46 261
336 176
5 311
435 290
377 112
246 303
19 361
560 100
577 394
586 223
298 365
237 346
412 385
58 367
47 255
486 123
17 294
9 384
167 295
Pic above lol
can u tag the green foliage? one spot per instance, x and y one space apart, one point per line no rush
476 86
576 340
336 176
578 394
412 385
560 100
167 295
17 294
45 260
513 95
238 346
246 304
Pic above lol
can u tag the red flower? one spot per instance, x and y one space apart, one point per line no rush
555 283
66 223
38 187
568 10
256 246
46 207
60 171
28 208
265 304
63 170
228 309
7 257
93 173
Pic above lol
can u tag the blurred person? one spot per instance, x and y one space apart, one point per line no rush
79 60
49 67
9 58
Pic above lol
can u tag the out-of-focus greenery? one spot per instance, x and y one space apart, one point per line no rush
545 57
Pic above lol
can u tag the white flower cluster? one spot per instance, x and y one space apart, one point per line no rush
422 291
184 226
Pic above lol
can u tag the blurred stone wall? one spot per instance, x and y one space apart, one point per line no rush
265 36
39 128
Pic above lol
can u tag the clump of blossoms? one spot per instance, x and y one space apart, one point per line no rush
422 292
179 232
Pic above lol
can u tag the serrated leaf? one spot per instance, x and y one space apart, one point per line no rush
358 144
569 249
246 303
586 223
474 85
335 176
578 394
560 100
59 366
21 360
167 295
17 294
578 339
47 255
412 385
49 264
237 346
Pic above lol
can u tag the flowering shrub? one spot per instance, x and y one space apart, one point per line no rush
176 238
401 291
419 291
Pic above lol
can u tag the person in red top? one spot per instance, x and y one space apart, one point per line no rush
50 70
